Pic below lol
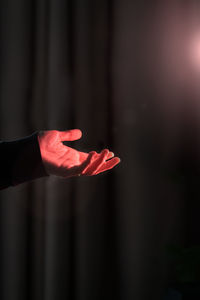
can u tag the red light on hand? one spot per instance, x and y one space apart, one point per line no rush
64 161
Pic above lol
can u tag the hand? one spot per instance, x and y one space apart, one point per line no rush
64 161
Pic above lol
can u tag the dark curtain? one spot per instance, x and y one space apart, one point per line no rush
105 67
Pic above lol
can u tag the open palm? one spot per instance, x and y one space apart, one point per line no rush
64 161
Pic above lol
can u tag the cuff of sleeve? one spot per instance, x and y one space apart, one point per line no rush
28 163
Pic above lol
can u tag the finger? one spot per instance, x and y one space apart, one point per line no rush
70 135
97 162
88 162
108 165
84 155
110 155
96 155
78 170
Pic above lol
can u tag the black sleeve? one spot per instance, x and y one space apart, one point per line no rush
20 161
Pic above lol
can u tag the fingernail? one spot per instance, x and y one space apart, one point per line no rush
112 154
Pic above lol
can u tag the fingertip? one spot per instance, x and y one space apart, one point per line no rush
70 135
78 132
117 160
112 154
105 152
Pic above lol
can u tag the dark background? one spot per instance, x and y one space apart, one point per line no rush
120 71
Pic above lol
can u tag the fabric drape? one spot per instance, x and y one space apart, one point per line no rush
90 65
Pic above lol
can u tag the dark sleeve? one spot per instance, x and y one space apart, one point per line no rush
20 161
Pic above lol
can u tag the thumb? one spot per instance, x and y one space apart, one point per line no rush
70 135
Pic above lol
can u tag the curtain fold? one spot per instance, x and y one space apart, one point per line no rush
90 65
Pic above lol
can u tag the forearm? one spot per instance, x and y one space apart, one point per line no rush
20 161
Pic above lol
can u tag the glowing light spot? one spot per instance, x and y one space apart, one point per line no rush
194 52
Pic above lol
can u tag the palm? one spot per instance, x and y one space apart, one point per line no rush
65 161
